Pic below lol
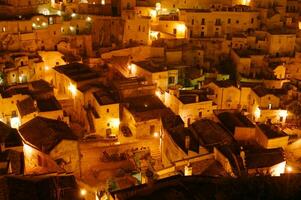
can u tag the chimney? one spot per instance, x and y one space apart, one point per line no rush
187 142
197 98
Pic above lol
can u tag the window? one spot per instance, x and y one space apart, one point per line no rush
174 31
171 80
237 21
108 110
270 106
108 124
188 121
203 21
192 22
229 21
218 22
151 129
252 20
200 114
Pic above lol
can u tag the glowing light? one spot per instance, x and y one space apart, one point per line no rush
59 12
88 19
156 134
38 19
83 192
27 149
115 122
72 89
73 15
34 25
289 169
44 24
245 2
257 113
158 93
103 2
15 122
181 28
153 13
47 68
44 11
283 113
154 35
71 28
158 6
132 69
278 169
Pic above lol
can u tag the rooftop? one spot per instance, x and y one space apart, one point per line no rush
26 106
104 97
146 107
49 104
45 133
232 120
264 158
179 137
223 188
46 187
210 133
152 66
9 136
77 72
271 132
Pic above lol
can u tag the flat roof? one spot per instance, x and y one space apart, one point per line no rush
152 66
271 132
77 72
210 133
232 120
146 107
49 104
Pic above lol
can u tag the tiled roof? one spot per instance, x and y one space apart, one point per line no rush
26 106
45 133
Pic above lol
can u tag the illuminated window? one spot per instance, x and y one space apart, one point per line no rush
103 2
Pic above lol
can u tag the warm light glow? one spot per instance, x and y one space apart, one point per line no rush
59 13
158 93
154 35
257 113
278 169
33 24
156 134
153 14
158 6
115 122
181 28
44 24
44 11
73 15
245 2
283 113
15 122
27 149
88 19
289 169
72 89
47 68
71 28
103 2
83 192
132 69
